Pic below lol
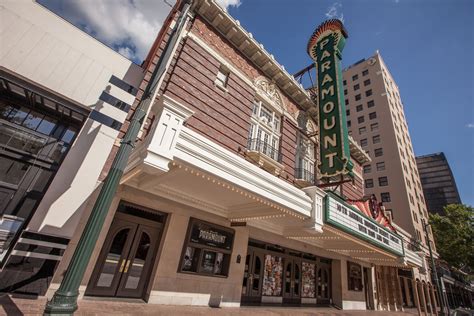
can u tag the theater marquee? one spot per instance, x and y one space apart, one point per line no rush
346 218
325 48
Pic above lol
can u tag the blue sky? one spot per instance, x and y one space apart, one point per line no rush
427 45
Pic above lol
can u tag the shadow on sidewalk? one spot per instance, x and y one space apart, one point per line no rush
9 306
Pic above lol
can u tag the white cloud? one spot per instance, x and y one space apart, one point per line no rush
470 125
128 26
229 3
334 11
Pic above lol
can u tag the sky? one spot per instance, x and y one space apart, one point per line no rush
428 46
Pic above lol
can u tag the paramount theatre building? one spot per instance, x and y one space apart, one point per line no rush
225 201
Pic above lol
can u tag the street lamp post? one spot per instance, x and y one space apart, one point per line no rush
433 269
64 301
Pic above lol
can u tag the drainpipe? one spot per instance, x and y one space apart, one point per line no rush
64 301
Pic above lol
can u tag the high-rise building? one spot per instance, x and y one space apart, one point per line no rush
376 120
437 181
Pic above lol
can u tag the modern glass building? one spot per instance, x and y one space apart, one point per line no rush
437 180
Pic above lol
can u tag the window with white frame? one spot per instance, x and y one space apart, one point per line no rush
264 133
222 77
305 158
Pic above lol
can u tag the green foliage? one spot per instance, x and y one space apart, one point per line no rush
454 235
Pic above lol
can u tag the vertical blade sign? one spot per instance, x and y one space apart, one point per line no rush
325 48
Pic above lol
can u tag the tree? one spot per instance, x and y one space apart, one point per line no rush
454 236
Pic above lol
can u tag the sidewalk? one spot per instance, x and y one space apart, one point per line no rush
15 305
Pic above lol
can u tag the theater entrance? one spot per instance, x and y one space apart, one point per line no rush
125 262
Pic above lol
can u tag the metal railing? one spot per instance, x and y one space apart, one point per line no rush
264 148
304 174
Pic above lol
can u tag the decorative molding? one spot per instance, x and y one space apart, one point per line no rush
317 197
268 90
201 152
172 115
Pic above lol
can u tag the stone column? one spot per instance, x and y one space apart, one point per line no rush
380 280
414 284
423 298
429 303
386 287
394 287
433 300
407 292
399 289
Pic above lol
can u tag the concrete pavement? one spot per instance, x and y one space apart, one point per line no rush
24 305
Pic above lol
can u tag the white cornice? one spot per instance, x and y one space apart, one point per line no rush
231 29
201 152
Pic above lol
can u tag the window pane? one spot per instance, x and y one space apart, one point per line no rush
12 171
208 260
46 126
68 135
191 259
33 120
18 115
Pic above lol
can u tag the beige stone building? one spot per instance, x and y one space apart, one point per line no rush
376 120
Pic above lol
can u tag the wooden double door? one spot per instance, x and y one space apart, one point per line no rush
125 262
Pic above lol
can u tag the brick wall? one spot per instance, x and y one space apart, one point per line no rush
354 190
222 116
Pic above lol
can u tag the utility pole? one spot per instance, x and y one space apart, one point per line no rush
436 280
64 301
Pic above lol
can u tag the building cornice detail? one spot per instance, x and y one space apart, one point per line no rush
201 152
244 41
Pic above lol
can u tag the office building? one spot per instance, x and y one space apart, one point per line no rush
437 181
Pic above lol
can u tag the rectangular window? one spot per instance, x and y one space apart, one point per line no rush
359 108
376 139
385 196
344 82
345 91
349 123
362 130
222 77
374 127
264 133
372 115
354 279
355 77
369 183
370 104
357 97
366 82
348 112
360 119
207 249
378 152
368 93
380 166
365 72
356 87
367 169
346 101
363 142
383 181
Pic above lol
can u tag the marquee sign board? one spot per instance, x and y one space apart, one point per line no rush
325 48
346 218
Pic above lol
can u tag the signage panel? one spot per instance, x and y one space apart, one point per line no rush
346 218
211 235
325 48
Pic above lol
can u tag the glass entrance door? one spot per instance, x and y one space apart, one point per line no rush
292 282
126 259
253 276
324 283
